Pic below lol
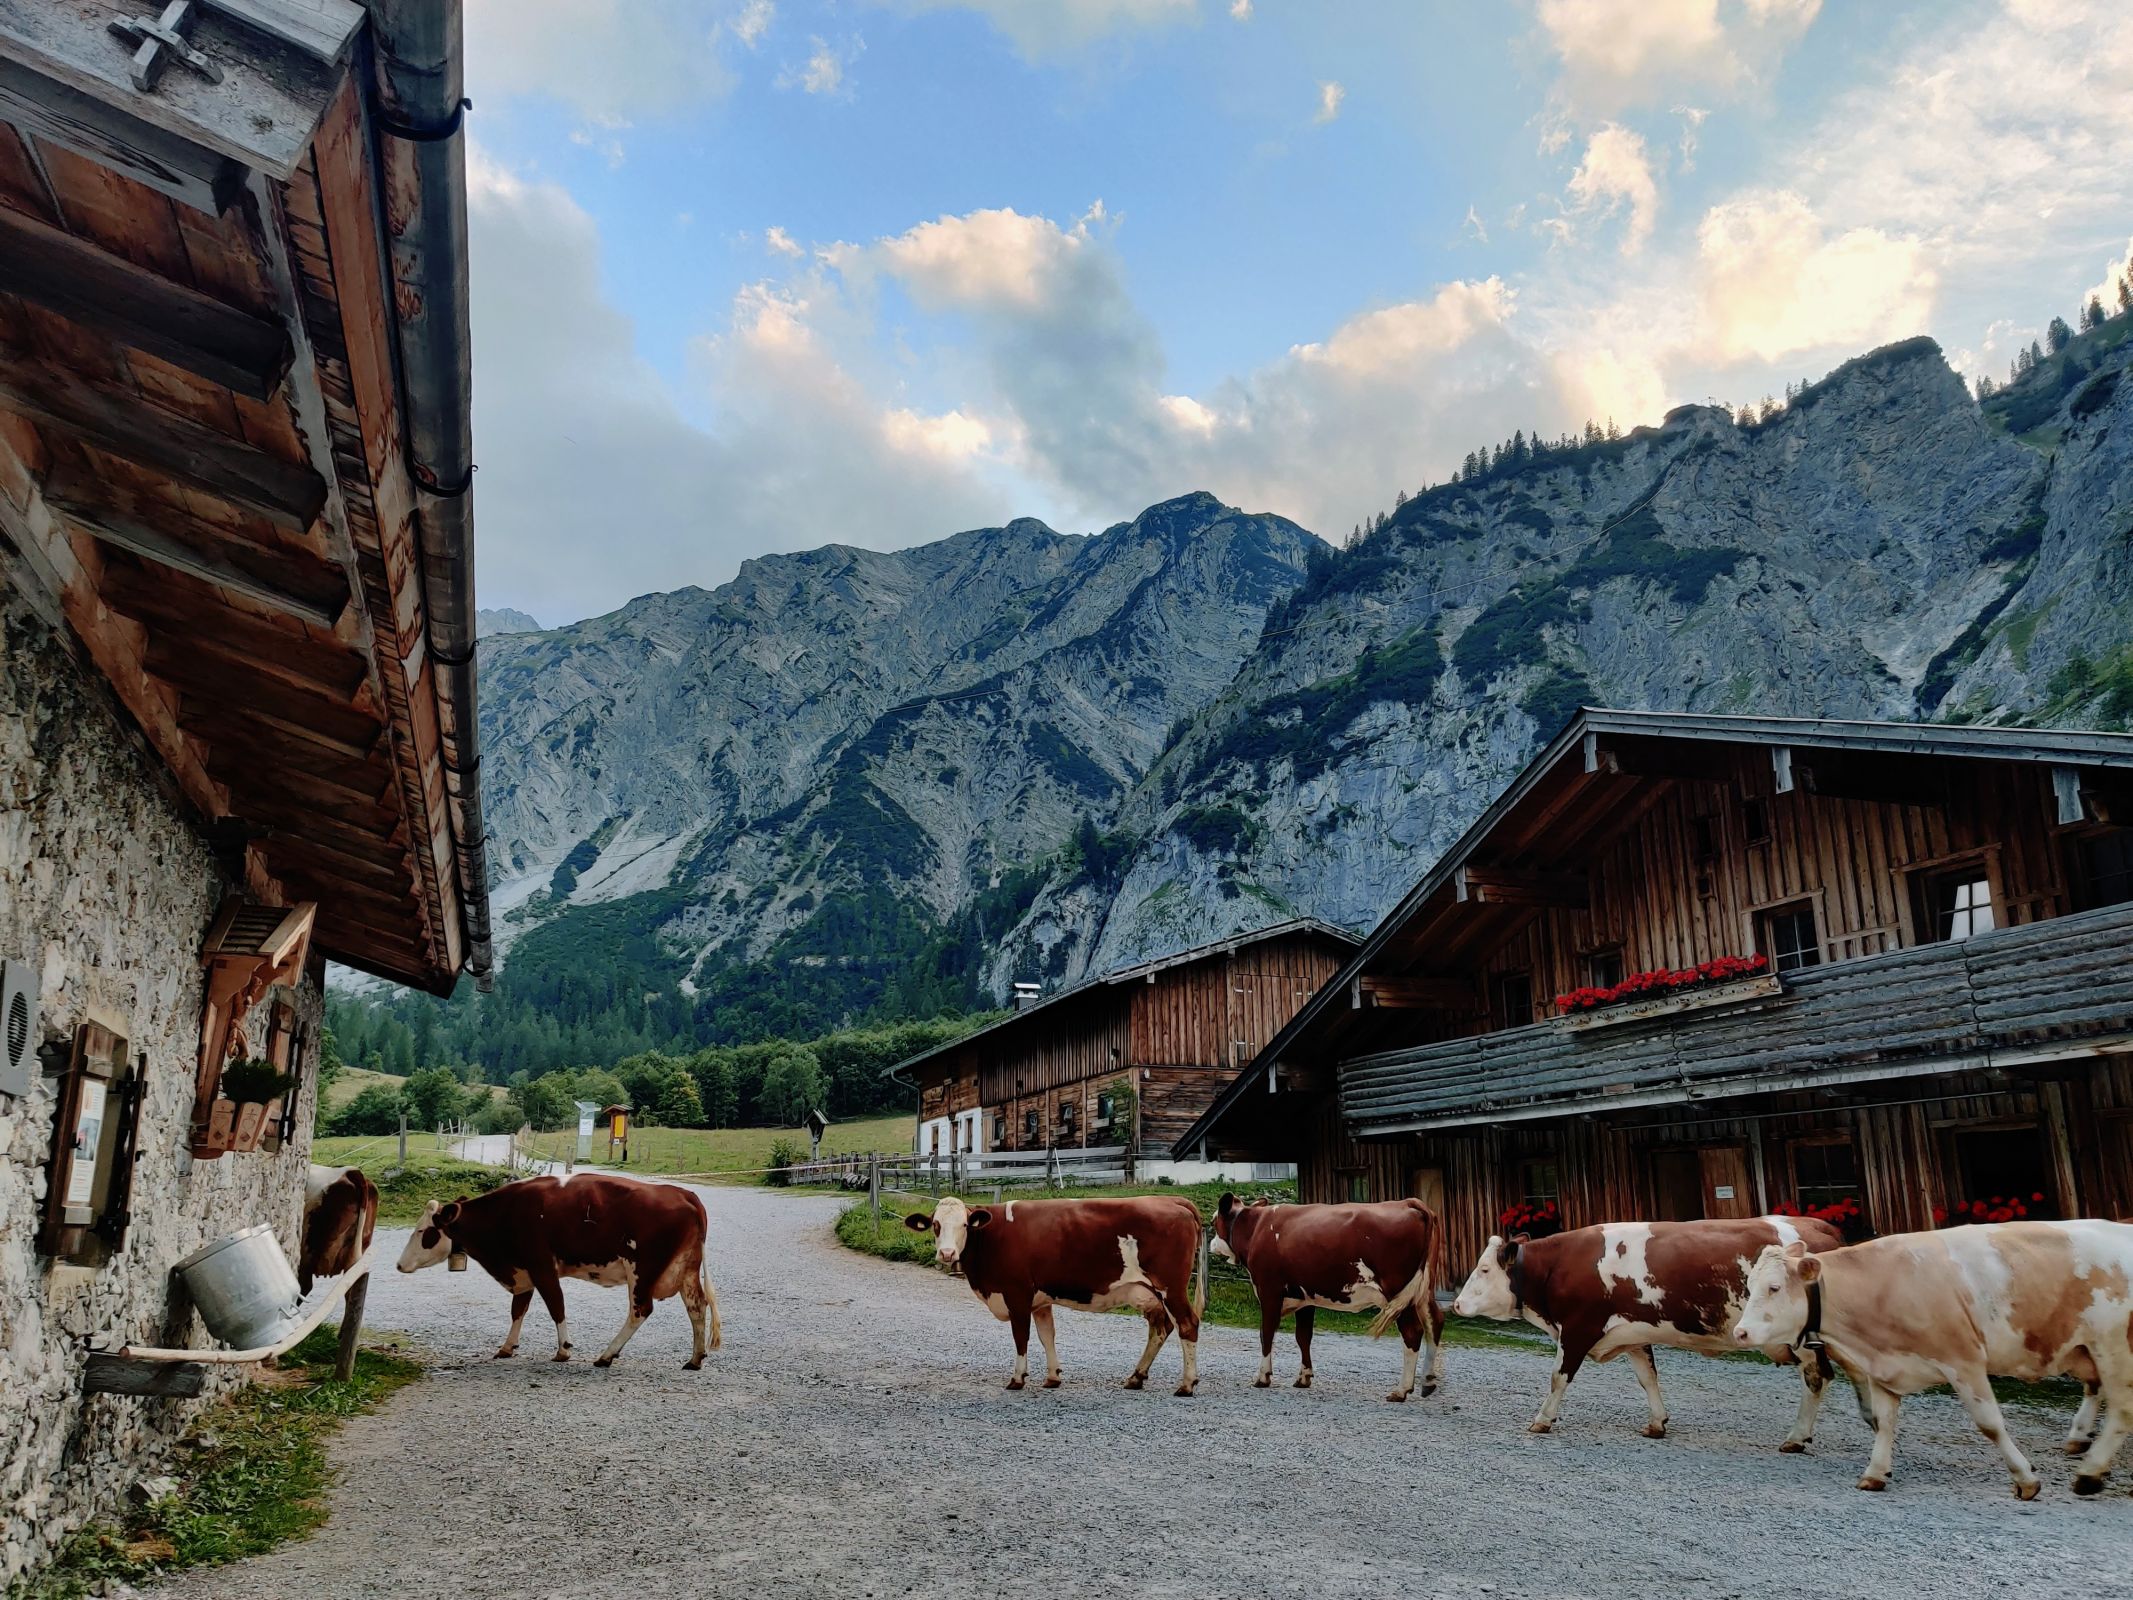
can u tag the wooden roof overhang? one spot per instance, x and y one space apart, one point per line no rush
1591 784
219 246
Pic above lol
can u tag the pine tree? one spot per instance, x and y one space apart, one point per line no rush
2057 335
1399 498
2092 314
2125 292
1613 432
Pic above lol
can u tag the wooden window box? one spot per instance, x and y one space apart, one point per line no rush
249 950
1737 992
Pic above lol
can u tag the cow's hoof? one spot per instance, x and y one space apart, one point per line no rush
1793 1447
2083 1486
1014 1383
1303 1380
2078 1447
1429 1387
1874 1485
1136 1381
2028 1491
503 1355
1051 1383
1185 1391
603 1361
696 1365
1398 1397
1268 1383
1655 1430
1540 1427
560 1355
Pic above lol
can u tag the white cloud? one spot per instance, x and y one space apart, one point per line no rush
779 242
1330 96
1241 10
609 146
1776 280
2117 275
1692 121
1620 53
604 59
809 442
823 72
1051 27
1616 172
752 22
1474 225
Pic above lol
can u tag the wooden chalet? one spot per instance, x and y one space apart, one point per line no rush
1946 914
236 658
1132 1057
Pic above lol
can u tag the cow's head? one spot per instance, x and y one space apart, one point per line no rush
432 1241
1488 1290
1775 1312
1225 1208
950 1225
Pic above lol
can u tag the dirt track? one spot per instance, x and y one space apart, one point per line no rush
853 1439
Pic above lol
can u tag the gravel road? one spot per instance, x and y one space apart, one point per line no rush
853 1439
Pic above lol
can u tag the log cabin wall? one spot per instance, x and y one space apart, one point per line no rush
1915 1145
1659 901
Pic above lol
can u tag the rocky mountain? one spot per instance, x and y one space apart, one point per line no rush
503 620
851 783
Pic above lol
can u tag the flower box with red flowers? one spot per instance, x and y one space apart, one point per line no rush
1727 980
1536 1219
1844 1215
1997 1208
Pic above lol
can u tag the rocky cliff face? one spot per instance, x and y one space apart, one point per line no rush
1016 754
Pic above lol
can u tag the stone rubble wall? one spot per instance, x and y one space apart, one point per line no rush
106 889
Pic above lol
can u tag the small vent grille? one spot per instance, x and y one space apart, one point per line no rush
18 1027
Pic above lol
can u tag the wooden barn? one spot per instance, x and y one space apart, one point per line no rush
1132 1057
1943 1011
236 654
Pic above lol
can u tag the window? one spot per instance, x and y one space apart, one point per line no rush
1955 904
999 1129
1029 1124
933 1147
1788 936
1996 1163
1358 1186
1540 1180
2107 868
1755 821
1066 1116
1704 830
1825 1171
1104 1110
1511 999
1603 968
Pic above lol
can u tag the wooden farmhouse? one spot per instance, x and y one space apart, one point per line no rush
1130 1058
1945 1015
237 705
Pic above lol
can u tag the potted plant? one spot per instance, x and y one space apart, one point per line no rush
1664 989
1997 1208
253 1089
1536 1219
1844 1215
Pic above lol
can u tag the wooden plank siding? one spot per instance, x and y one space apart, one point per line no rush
1175 1034
2008 1046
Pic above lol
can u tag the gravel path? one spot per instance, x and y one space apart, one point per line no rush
853 1438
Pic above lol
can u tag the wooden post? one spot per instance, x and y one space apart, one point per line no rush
403 1137
874 1189
344 1364
1051 1166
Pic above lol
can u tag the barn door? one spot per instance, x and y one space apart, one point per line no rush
1677 1186
1427 1186
1726 1189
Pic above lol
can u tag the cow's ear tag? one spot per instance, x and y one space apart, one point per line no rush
456 1262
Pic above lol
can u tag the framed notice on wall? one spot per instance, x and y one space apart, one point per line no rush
91 1180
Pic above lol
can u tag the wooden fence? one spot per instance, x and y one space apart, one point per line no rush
968 1170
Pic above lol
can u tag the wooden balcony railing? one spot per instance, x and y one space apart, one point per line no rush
2059 987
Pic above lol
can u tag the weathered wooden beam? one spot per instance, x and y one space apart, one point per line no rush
344 1363
158 1380
1503 886
285 492
1643 757
322 29
50 110
1445 994
142 309
147 543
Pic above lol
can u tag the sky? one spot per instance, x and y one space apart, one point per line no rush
763 275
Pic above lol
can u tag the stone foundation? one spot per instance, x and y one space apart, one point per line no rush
106 889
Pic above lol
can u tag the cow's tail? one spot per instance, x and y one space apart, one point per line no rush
1424 1282
1201 1266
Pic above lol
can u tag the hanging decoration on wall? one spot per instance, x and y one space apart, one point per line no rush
250 949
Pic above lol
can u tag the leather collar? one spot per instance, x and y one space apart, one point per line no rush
1811 1330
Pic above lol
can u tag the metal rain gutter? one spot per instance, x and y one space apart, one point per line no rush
418 88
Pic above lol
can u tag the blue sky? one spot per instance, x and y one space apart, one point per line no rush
755 275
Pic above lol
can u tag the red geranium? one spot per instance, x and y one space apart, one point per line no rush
1535 1218
1996 1208
1663 981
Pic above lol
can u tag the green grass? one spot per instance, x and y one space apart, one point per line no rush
430 1174
352 1081
654 1151
1231 1302
251 1475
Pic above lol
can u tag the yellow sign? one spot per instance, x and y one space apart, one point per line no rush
621 1128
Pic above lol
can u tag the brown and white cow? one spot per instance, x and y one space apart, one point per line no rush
1962 1307
530 1235
1627 1286
340 1214
1386 1257
1024 1257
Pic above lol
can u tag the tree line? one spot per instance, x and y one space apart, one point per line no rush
2058 334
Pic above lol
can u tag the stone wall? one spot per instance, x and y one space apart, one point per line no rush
107 889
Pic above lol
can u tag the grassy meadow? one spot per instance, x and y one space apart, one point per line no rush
742 1152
